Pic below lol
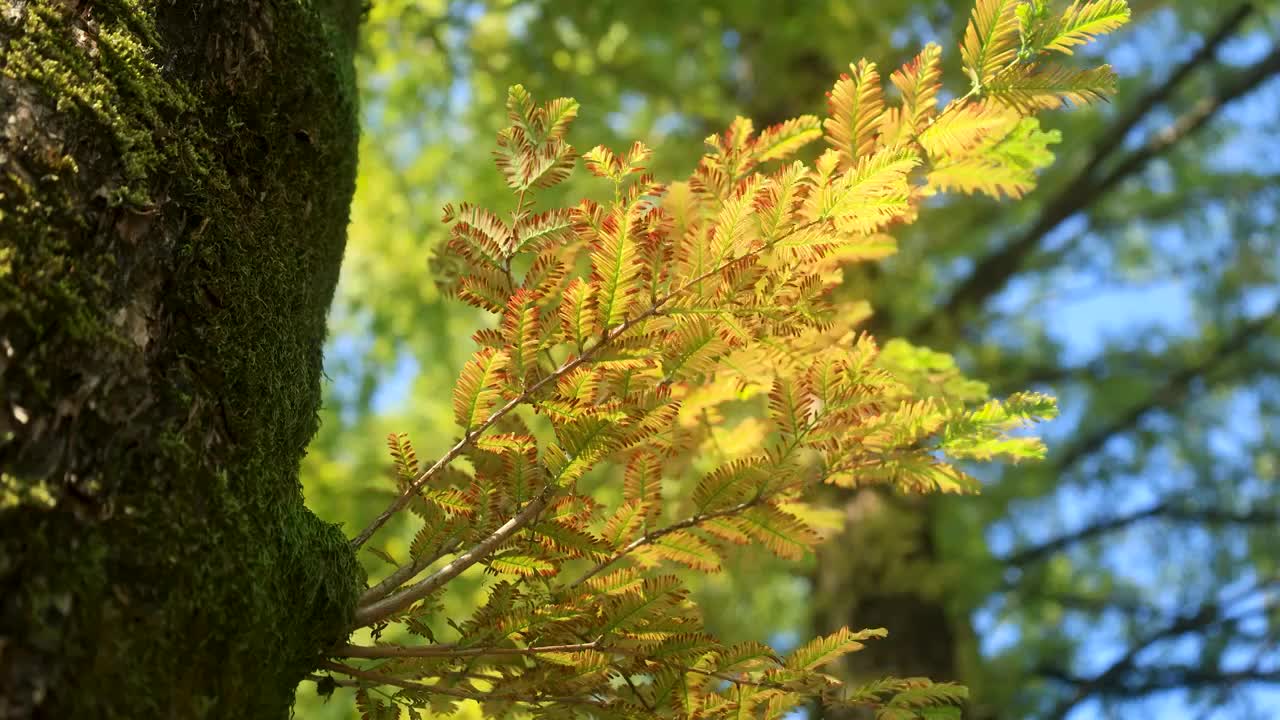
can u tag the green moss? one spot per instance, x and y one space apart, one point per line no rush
179 177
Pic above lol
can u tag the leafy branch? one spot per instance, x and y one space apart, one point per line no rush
700 293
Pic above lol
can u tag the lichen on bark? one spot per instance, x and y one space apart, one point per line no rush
175 180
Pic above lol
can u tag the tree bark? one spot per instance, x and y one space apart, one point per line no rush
175 177
884 571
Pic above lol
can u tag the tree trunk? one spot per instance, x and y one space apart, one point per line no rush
884 571
175 177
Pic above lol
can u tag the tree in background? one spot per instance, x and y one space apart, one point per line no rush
1137 566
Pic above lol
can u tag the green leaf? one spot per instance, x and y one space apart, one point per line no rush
854 106
822 650
1030 89
784 139
991 39
478 387
1081 23
522 565
919 82
1006 168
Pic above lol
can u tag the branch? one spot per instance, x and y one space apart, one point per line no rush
1165 510
380 609
1111 681
403 574
1167 394
993 273
376 679
394 651
1111 140
386 606
1176 677
1169 678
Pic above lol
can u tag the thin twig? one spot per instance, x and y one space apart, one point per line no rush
1164 510
376 679
403 574
391 651
381 609
1207 615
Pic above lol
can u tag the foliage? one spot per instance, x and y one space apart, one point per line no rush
614 317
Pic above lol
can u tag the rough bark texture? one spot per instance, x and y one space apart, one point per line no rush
175 178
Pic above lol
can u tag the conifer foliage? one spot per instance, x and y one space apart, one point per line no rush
627 331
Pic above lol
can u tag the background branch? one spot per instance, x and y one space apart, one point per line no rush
993 273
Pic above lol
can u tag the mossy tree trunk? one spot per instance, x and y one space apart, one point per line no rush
175 177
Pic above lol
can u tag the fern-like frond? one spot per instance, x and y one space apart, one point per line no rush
991 40
692 349
569 541
534 232
783 534
745 657
871 194
731 233
616 582
727 485
685 548
504 443
520 107
982 434
919 82
528 165
556 117
779 200
404 456
578 313
824 650
582 444
523 334
966 127
1029 88
485 288
781 141
1005 168
908 699
522 565
454 502
788 408
478 387
1081 23
919 472
855 104
545 277
615 268
478 234
642 482
603 162
629 609
625 523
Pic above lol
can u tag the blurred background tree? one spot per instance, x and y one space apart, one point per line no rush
1134 573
